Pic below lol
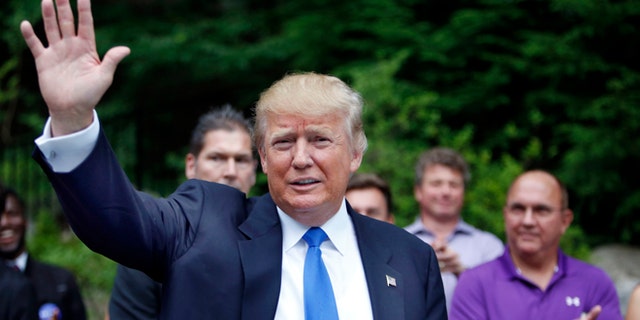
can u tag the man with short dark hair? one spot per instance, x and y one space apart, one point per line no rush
370 195
441 178
56 289
220 150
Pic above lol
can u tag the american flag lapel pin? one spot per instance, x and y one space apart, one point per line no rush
391 281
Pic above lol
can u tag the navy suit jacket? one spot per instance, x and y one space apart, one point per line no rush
56 285
17 296
219 254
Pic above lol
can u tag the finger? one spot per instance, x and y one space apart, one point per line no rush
65 18
594 313
31 39
113 57
85 21
50 22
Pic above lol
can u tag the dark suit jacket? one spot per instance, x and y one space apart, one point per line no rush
134 296
56 285
17 296
219 254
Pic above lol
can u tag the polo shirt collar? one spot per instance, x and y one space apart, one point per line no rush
510 270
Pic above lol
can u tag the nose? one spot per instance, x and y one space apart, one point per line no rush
528 218
231 169
301 155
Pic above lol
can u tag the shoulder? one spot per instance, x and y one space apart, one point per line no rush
485 272
481 235
191 186
578 268
385 234
54 271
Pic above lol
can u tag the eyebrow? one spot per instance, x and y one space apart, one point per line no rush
310 129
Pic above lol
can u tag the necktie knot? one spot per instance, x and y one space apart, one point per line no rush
314 237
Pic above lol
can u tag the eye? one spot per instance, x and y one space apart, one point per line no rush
216 158
321 140
282 144
435 183
243 160
517 209
542 211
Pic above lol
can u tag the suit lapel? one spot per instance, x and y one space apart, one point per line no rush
261 255
385 283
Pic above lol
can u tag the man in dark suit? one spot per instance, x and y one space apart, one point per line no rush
219 254
220 151
56 288
17 296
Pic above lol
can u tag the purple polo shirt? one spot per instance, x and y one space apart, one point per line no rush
495 290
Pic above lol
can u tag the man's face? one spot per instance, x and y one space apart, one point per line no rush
441 193
308 162
225 158
370 202
534 218
13 226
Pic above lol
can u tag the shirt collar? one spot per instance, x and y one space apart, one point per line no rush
20 261
417 227
512 270
292 230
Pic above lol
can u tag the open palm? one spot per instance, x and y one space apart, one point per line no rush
71 76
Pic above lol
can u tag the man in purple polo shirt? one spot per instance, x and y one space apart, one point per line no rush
534 279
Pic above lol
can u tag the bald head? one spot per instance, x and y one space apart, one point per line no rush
551 185
536 216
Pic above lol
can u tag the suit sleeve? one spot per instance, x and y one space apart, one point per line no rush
114 219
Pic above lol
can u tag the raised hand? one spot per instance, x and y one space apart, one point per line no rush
71 76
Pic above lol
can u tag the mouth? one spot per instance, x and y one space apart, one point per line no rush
305 183
7 236
528 236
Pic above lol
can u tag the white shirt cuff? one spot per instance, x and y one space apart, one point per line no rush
65 153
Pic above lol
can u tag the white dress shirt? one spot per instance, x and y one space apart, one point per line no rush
341 256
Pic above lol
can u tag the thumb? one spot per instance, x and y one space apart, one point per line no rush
113 57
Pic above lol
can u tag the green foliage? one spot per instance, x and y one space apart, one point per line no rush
513 85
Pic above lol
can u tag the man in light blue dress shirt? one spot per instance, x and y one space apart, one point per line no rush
440 180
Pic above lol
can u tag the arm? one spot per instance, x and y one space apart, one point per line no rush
633 309
71 76
605 303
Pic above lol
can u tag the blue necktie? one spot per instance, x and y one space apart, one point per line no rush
319 302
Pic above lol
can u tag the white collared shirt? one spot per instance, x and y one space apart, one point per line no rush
20 261
341 256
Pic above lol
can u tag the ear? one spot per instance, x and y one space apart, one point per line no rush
263 161
566 219
190 166
255 169
355 161
416 193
